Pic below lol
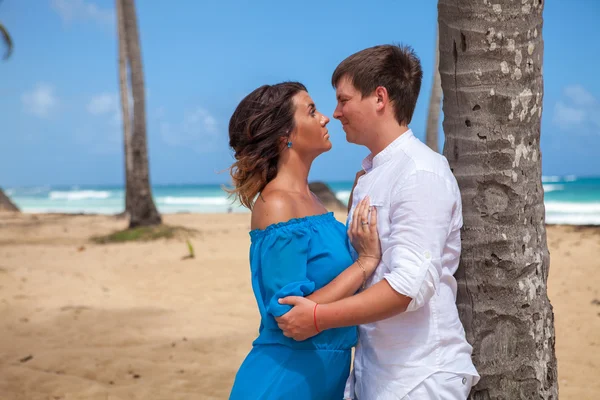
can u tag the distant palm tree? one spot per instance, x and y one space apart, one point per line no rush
125 111
5 203
143 211
435 102
491 57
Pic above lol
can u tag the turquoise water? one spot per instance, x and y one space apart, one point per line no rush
568 200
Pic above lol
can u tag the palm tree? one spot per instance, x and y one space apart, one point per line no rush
491 69
5 203
435 99
125 112
142 210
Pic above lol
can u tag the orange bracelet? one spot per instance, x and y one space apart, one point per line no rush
315 317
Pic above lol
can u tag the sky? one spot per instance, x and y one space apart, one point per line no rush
59 104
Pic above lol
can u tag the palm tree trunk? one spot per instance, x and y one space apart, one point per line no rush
491 69
435 100
6 204
143 209
125 112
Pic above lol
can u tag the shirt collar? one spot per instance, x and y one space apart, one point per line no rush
386 154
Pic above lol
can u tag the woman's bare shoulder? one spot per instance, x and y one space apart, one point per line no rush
273 207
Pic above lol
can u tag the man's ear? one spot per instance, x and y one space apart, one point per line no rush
381 97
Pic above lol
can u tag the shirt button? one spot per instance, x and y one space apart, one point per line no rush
427 255
464 381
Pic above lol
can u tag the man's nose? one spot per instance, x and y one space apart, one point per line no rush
337 114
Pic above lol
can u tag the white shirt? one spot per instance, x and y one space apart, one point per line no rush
419 216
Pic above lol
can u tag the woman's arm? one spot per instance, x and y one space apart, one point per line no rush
345 284
366 241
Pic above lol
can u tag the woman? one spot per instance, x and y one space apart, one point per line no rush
297 248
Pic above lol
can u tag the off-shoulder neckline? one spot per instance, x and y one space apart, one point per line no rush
308 220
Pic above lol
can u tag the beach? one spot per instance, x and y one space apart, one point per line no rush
137 320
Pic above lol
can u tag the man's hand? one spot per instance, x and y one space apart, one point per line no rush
298 323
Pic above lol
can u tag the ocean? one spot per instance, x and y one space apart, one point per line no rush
569 200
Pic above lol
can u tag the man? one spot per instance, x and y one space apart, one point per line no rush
411 341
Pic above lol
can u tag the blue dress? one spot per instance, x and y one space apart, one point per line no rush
295 258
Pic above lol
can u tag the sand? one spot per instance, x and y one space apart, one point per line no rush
136 321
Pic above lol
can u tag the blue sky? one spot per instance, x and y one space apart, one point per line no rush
59 91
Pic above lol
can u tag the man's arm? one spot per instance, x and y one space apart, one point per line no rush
374 304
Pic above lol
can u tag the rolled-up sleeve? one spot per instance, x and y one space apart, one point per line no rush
421 215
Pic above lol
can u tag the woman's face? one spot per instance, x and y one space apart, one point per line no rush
310 136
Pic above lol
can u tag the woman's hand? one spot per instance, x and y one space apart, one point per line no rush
364 236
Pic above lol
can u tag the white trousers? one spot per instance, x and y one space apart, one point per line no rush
442 386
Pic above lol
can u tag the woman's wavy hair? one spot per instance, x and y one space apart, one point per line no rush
256 129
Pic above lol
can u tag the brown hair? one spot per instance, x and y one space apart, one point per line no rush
395 67
255 130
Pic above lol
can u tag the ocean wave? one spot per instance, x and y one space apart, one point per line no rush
572 219
85 210
79 195
570 178
572 208
343 195
551 179
26 191
552 188
205 201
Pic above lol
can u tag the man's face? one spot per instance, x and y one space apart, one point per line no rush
353 111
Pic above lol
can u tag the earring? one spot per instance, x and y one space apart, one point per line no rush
289 144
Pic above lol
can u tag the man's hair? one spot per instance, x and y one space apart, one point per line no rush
395 67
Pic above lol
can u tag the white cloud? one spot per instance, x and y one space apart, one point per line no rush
578 109
82 10
108 104
103 103
198 130
579 96
565 115
40 101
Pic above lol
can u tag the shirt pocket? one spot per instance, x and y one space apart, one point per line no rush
383 219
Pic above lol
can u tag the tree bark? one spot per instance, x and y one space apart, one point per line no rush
6 204
491 70
435 100
143 210
125 112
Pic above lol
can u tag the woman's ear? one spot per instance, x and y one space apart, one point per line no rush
284 142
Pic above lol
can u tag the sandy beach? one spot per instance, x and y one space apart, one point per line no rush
80 320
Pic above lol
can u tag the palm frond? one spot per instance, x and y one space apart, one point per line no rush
7 40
